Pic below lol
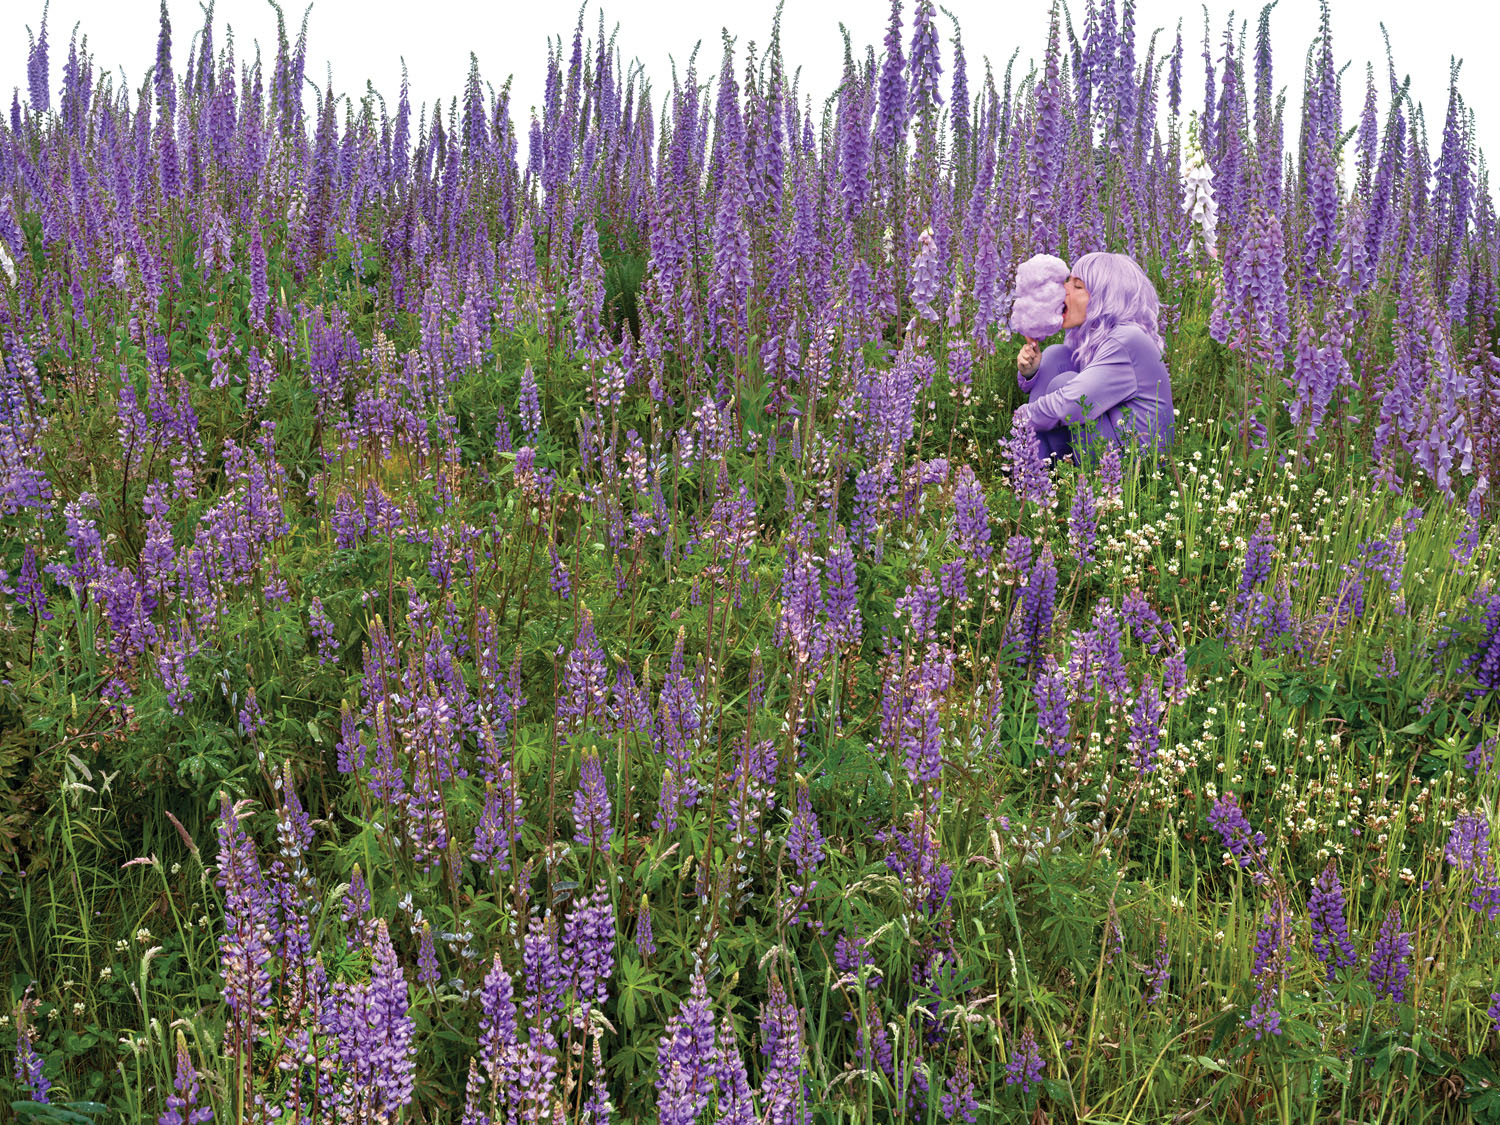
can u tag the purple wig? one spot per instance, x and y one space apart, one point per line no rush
1119 294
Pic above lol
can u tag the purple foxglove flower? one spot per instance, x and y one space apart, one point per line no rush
890 125
926 275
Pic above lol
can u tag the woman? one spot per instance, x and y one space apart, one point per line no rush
1108 373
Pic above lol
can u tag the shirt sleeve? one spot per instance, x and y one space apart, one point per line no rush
1106 382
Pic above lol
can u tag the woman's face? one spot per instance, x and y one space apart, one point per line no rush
1075 303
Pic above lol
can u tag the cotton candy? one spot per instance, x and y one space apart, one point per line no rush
1038 309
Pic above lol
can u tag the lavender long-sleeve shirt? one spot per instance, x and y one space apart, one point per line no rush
1125 391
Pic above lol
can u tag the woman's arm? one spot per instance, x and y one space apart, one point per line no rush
1108 381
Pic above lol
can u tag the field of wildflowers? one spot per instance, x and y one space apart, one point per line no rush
551 621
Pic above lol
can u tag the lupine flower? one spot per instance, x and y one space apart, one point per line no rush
1160 972
1145 726
1268 970
645 942
1025 1066
1053 725
244 946
1245 846
428 973
1326 908
182 1102
29 1071
1468 850
1390 959
686 1059
782 1091
591 811
1083 522
957 1102
590 935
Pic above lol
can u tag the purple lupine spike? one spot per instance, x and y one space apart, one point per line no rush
592 822
804 847
182 1102
1083 522
971 517
1245 846
598 1109
1053 725
645 941
1468 850
1032 626
356 907
736 1103
529 406
497 1020
783 1092
1145 727
1269 970
245 944
914 857
1326 908
1025 464
686 1059
1390 958
585 681
383 1053
545 970
1026 1065
958 1102
590 934
1160 972
842 601
428 973
30 1069
30 594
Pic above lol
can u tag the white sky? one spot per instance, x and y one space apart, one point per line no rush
436 36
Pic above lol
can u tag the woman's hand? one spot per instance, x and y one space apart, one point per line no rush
1029 359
